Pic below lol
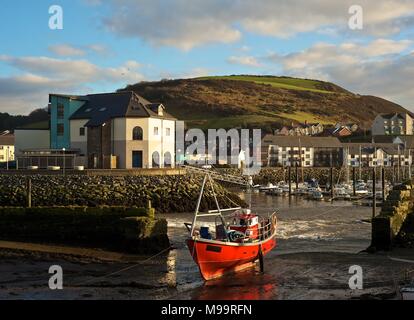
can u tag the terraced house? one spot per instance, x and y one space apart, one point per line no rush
393 124
106 131
301 151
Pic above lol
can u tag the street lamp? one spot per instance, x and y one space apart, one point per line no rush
64 150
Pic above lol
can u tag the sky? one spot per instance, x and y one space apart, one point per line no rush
106 45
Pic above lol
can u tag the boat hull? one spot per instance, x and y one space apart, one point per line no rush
216 258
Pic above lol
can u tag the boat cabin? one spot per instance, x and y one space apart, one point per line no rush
247 223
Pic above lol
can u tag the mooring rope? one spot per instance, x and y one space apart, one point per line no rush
123 269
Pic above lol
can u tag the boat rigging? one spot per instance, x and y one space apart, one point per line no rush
235 244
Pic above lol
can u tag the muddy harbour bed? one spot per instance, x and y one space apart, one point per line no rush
317 244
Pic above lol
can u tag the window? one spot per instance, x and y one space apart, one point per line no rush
60 129
155 160
155 131
168 132
82 131
167 160
137 134
60 111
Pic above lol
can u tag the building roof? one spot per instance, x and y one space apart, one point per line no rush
369 148
68 96
391 115
383 138
99 108
408 141
7 140
304 141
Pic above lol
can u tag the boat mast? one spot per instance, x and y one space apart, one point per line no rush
198 205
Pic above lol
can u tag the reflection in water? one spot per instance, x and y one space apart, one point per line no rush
171 276
247 285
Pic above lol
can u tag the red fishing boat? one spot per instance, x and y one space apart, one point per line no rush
232 246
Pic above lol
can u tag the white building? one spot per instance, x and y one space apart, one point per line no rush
6 148
373 155
301 151
124 131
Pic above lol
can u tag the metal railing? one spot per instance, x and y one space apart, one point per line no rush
219 176
267 228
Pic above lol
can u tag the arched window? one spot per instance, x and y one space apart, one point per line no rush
167 160
155 160
137 134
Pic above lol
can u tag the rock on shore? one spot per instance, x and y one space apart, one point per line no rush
167 193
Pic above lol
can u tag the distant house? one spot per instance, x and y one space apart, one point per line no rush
343 131
6 147
302 129
301 151
393 124
353 127
101 131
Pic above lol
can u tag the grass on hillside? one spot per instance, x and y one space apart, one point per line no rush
304 116
279 82
259 120
231 122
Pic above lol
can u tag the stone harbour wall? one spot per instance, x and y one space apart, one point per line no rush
167 193
132 230
386 227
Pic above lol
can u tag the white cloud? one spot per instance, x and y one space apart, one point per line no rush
382 67
65 50
185 24
244 60
36 77
99 49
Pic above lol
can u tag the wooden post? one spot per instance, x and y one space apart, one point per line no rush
399 166
383 184
332 182
374 197
354 181
360 162
393 172
290 180
29 192
261 260
297 177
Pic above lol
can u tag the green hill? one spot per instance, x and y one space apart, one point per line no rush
261 101
284 83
